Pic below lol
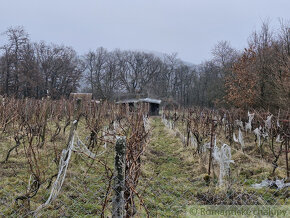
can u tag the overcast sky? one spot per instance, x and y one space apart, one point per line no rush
189 27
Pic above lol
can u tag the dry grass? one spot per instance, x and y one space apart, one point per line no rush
172 177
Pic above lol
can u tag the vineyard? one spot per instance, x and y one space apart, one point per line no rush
74 158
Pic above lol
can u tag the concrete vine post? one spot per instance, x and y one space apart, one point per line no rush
211 146
119 178
75 120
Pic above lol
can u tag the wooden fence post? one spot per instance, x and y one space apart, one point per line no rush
119 178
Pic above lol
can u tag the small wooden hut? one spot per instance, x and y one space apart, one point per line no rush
85 97
152 104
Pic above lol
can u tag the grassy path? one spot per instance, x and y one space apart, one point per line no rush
167 174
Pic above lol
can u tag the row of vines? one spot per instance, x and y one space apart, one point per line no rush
57 157
234 147
45 144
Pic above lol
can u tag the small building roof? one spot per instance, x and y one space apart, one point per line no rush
81 93
148 100
151 100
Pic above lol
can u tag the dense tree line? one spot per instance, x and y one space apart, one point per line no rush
255 77
36 70
261 75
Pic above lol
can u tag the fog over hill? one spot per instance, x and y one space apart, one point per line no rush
161 56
